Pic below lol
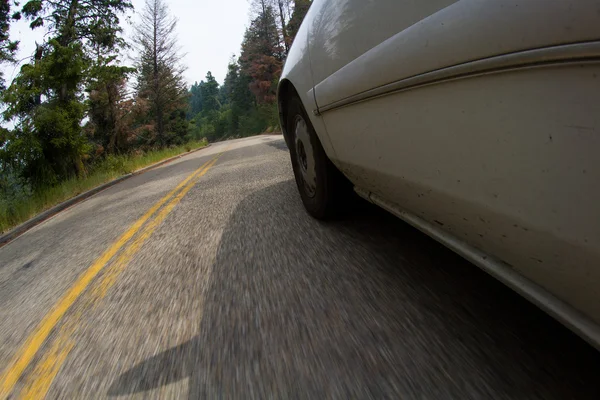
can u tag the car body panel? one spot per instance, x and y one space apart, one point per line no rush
572 318
462 32
298 69
498 161
502 159
342 30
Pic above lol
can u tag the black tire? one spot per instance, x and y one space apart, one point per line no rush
328 193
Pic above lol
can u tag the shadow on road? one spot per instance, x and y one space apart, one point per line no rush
363 307
278 144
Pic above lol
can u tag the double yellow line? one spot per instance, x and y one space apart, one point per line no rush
48 367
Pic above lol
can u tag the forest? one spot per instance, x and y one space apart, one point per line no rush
245 103
79 113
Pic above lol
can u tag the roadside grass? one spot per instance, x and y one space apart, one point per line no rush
16 211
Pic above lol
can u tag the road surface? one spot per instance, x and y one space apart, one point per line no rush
205 278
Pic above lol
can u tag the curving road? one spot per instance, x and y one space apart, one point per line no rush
223 287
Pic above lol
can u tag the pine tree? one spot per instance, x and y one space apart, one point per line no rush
239 98
8 48
210 93
46 99
282 9
237 87
195 100
300 9
262 56
160 80
108 108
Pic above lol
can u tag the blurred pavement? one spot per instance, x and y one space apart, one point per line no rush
238 293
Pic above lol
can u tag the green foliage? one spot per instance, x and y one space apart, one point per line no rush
75 78
45 101
262 56
7 47
110 125
17 204
245 104
195 99
160 84
210 92
47 140
237 85
300 9
259 120
91 22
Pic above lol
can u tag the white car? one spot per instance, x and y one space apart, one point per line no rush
476 121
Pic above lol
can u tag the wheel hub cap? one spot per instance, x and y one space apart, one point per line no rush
305 157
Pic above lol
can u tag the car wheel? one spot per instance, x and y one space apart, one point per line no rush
323 188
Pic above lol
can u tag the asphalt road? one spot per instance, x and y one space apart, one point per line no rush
230 290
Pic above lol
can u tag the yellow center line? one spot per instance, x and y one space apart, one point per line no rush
34 342
48 367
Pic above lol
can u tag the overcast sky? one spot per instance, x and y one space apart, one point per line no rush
209 33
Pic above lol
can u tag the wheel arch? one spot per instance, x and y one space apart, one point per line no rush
285 91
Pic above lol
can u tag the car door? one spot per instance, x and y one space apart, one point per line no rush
478 117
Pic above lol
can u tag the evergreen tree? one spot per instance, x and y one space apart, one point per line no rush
108 108
46 99
240 99
237 87
282 11
210 93
262 56
160 81
246 100
283 8
8 48
195 99
300 9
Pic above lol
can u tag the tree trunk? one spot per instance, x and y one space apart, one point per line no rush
264 22
66 37
39 53
283 27
79 167
68 32
112 118
157 98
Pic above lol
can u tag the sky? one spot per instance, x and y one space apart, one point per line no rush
209 33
